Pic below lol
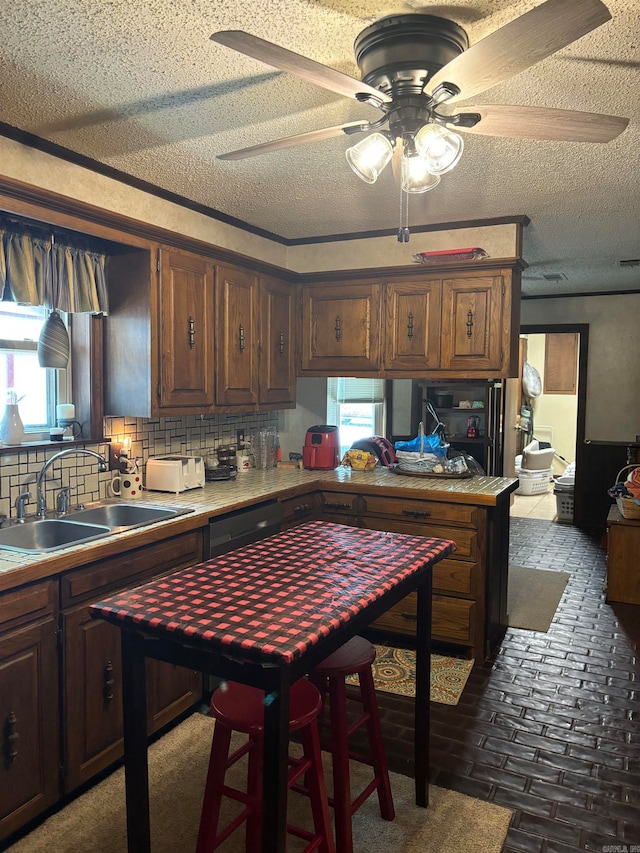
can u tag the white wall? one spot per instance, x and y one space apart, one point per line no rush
311 409
613 371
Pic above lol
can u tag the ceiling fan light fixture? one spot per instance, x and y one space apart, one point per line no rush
415 175
441 148
368 157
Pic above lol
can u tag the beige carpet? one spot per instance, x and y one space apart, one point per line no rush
95 822
394 672
533 596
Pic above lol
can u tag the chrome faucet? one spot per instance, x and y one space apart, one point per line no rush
72 451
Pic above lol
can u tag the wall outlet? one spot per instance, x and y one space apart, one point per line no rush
240 437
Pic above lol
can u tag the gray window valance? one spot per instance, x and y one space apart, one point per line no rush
37 270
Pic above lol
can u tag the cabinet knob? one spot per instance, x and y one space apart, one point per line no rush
241 338
410 326
338 328
192 333
416 513
281 343
11 738
469 323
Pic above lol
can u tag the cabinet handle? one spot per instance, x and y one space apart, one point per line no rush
302 508
281 343
11 738
410 326
338 328
241 338
469 323
412 617
192 333
415 513
107 690
336 505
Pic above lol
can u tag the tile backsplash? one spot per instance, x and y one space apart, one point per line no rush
149 437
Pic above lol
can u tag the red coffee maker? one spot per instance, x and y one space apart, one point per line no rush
321 447
473 427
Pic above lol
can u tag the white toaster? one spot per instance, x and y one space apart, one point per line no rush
174 473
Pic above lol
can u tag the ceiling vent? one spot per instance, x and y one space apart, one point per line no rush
633 262
555 276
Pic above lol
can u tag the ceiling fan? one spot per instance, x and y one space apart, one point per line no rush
412 65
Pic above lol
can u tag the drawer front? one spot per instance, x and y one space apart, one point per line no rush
453 618
104 576
456 576
298 509
429 511
26 604
336 503
466 539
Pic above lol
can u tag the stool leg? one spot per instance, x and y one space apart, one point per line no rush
254 791
314 781
376 745
340 752
213 789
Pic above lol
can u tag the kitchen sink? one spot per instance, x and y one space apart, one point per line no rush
82 525
124 515
49 534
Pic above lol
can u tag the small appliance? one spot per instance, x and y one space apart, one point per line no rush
321 447
174 473
473 427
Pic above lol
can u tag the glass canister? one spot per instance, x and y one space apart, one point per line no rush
264 447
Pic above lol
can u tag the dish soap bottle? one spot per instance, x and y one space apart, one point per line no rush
11 426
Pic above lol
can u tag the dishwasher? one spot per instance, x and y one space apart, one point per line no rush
228 532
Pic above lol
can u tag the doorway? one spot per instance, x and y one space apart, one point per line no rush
514 437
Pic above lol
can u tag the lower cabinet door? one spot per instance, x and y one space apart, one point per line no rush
170 691
28 724
92 698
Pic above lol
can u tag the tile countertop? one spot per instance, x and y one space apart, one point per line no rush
248 488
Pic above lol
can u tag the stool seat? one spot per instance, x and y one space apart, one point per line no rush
356 654
242 707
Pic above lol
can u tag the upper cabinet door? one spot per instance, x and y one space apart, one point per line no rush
341 328
236 337
277 344
412 325
473 336
186 339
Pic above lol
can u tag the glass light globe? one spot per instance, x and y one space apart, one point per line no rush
415 175
369 156
441 148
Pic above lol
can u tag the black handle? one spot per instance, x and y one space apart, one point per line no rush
109 682
241 338
410 616
11 738
281 343
336 505
302 508
469 323
410 326
415 513
192 333
338 328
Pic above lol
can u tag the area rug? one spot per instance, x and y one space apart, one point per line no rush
95 822
394 672
533 596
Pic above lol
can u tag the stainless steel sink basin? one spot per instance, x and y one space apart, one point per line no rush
48 535
124 515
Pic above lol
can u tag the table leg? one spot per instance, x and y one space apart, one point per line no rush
136 771
423 688
275 766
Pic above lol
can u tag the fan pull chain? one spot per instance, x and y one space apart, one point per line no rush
403 227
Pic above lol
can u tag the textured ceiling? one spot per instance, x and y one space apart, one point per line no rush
138 85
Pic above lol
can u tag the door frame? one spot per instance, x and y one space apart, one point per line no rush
582 330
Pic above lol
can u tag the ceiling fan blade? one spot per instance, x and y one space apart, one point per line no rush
294 63
520 44
292 141
541 123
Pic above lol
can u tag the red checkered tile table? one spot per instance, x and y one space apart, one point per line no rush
265 615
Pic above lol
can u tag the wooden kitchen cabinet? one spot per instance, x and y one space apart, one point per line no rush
340 333
299 509
412 326
623 548
28 704
92 676
236 338
277 374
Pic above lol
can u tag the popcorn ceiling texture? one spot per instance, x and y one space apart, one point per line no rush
150 437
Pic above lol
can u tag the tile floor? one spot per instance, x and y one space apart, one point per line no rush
535 506
547 727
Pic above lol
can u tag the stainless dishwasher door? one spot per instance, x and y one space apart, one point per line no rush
244 526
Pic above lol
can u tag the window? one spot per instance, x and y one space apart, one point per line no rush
356 407
35 386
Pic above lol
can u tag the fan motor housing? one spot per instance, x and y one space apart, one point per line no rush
399 54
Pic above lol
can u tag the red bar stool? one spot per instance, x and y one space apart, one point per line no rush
355 657
237 707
